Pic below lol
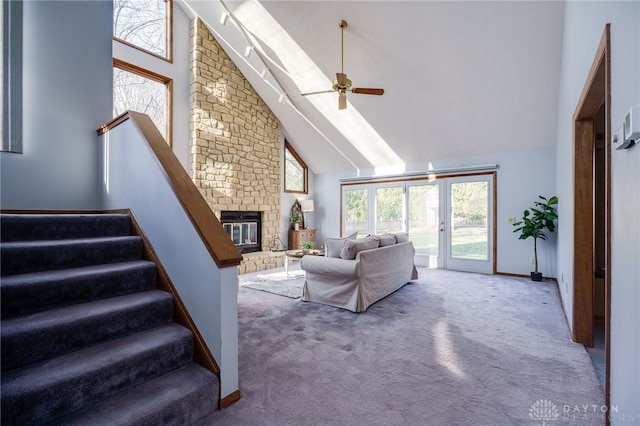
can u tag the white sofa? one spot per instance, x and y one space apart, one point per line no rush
361 275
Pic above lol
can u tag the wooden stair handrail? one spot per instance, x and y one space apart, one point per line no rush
206 223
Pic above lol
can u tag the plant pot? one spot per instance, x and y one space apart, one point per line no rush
536 276
305 251
296 226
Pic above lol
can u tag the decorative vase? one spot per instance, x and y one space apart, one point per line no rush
536 276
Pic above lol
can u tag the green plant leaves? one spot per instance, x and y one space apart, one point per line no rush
538 219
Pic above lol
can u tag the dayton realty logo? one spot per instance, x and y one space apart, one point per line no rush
544 410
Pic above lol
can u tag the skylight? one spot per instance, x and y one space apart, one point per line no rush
307 76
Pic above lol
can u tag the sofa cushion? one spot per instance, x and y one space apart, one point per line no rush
332 246
401 237
351 247
386 240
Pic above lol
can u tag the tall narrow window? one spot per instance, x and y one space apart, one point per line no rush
142 91
356 212
469 227
389 209
295 171
144 24
11 66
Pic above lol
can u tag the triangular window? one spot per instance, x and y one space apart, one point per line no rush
295 171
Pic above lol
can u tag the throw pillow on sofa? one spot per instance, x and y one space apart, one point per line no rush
386 240
401 237
352 247
332 246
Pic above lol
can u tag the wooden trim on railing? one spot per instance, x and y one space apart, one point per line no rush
113 123
230 399
206 223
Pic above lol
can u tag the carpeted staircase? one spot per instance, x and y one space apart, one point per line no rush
86 337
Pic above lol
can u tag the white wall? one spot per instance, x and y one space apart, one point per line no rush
67 85
521 176
178 71
583 28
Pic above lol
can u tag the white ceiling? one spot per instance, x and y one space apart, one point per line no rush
460 78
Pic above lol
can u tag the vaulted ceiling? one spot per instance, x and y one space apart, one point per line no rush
461 78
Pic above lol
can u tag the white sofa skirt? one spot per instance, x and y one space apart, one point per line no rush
357 284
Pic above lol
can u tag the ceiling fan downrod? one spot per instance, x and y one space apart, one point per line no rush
343 25
342 84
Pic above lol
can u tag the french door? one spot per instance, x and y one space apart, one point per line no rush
449 220
467 225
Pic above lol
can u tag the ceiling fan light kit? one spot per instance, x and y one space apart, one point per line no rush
342 84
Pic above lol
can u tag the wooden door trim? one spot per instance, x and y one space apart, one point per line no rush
596 93
583 158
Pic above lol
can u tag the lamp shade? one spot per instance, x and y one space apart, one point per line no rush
306 205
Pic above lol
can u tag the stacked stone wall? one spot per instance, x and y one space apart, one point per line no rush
235 142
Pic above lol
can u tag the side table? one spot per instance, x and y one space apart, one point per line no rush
298 237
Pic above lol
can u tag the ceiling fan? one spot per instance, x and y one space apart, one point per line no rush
342 85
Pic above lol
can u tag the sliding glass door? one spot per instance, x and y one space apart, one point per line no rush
449 220
423 224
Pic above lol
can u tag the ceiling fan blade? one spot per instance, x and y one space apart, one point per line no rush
342 101
366 91
341 78
317 93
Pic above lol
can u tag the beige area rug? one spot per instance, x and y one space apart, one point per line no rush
276 283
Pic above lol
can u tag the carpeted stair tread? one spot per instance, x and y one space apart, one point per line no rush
86 336
33 292
34 256
44 391
27 227
181 397
69 328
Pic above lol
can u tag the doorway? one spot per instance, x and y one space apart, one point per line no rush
468 224
592 205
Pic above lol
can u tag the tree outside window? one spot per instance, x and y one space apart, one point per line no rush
145 24
389 207
139 90
356 211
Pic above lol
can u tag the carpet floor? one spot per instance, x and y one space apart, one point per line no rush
448 349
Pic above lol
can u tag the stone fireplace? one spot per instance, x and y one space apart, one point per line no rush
235 146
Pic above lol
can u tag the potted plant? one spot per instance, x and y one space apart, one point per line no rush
307 246
535 221
296 219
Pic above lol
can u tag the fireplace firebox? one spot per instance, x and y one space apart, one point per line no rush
244 228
